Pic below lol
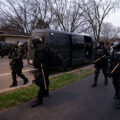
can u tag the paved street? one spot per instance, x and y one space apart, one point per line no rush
77 101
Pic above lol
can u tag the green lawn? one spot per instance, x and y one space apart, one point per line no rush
9 99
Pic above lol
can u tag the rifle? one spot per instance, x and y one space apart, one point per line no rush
43 76
99 59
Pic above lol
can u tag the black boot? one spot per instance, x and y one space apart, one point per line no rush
13 85
26 81
37 103
94 85
118 104
105 83
46 93
116 96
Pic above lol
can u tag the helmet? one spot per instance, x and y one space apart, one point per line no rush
37 40
116 45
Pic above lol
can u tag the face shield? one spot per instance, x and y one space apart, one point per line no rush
36 41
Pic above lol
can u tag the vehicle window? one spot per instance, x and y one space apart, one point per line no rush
77 47
77 42
77 39
59 40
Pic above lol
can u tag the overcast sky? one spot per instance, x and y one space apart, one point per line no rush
114 18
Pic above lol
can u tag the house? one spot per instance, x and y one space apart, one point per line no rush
13 37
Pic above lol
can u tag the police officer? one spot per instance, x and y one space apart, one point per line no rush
115 71
41 61
100 62
16 64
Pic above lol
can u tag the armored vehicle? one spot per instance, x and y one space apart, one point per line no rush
66 49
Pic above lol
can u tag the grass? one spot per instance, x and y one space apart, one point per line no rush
9 99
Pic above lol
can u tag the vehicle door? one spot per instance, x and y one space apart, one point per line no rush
77 49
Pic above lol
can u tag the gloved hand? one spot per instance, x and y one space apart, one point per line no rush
109 75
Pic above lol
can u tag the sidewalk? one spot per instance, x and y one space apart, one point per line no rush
5 74
77 101
4 87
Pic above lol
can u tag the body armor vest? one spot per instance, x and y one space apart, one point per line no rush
100 52
116 57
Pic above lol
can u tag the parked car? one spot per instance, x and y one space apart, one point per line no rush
4 49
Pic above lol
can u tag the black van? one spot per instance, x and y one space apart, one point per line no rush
66 48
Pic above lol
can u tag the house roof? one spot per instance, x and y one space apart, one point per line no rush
13 34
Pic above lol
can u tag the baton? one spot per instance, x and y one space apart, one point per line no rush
43 77
99 59
115 68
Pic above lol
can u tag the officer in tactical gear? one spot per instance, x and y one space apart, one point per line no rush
100 62
115 71
41 62
16 64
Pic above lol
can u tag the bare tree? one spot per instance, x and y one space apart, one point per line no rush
26 15
43 13
94 11
115 32
106 31
68 16
109 32
16 15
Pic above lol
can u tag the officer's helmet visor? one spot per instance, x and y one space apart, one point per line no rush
36 41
